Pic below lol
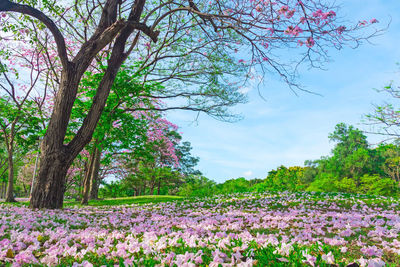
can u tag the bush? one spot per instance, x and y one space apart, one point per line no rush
325 182
375 185
346 185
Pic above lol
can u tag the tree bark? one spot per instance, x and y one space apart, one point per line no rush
152 185
94 181
2 189
10 183
49 187
159 186
152 189
88 175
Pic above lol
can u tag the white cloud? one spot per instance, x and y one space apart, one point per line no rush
247 174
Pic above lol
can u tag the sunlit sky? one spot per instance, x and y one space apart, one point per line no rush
288 129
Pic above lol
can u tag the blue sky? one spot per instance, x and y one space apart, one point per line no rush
288 129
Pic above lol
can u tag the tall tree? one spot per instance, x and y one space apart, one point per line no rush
195 42
187 162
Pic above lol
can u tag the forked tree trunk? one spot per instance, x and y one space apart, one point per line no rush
10 183
94 181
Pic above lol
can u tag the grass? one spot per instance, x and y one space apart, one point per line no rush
140 200
126 201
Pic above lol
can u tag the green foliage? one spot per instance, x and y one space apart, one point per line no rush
282 179
325 182
197 186
239 185
375 185
19 123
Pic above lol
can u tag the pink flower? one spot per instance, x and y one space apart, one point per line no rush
271 31
86 264
309 258
371 251
340 29
372 21
290 13
318 13
362 23
310 42
376 263
283 9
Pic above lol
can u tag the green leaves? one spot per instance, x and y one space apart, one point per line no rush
20 123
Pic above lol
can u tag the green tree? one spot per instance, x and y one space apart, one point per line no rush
19 125
187 162
197 186
121 126
389 160
354 167
238 185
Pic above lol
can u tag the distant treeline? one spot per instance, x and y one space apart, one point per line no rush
353 166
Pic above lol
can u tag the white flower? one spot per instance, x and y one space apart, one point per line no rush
328 258
363 262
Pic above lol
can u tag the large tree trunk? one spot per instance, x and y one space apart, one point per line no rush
94 181
10 183
49 187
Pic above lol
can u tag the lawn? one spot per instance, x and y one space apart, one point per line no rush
126 200
270 229
114 201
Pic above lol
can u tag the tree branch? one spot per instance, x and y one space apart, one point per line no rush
6 5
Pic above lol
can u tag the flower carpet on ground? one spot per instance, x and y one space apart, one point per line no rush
282 229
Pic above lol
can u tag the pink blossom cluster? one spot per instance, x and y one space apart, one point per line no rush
211 231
